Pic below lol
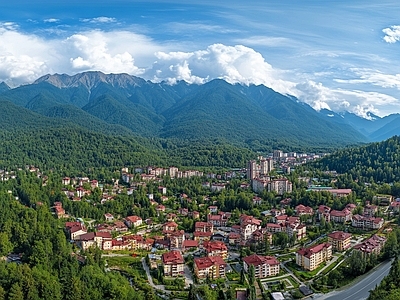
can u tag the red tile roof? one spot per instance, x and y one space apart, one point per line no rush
256 260
173 257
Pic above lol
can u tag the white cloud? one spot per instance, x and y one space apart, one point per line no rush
51 20
374 77
267 41
110 52
392 34
356 101
120 51
4 26
100 20
93 53
235 64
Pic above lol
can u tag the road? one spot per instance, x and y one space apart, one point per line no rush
360 290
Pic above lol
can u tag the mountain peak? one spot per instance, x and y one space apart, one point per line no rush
90 80
371 116
4 87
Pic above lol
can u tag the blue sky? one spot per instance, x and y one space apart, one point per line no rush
341 55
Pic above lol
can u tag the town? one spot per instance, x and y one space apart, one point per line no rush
243 229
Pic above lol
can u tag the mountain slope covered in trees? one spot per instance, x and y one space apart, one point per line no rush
240 115
375 162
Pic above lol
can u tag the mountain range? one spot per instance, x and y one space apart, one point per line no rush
243 115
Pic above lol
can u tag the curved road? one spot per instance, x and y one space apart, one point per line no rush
360 290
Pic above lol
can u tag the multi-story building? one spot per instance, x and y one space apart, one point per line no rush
264 266
248 225
340 216
311 258
252 171
102 240
173 263
266 166
324 213
176 239
133 221
218 220
302 210
372 245
216 248
203 227
367 222
339 240
280 186
209 267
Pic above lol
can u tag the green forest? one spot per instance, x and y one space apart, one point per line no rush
48 267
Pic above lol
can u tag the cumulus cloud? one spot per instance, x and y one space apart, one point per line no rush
392 34
100 20
120 51
93 52
235 64
356 101
110 52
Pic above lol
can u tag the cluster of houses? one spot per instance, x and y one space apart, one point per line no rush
365 221
312 257
213 236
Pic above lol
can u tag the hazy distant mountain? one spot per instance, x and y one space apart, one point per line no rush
215 110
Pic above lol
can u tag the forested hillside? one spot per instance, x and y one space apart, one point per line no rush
48 269
376 162
236 114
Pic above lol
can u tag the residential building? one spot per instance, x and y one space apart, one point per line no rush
173 263
133 221
372 245
339 240
367 222
342 216
302 210
324 213
264 266
102 240
209 267
252 171
203 227
310 258
248 225
216 248
280 186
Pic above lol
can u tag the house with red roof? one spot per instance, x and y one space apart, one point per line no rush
102 240
302 210
190 244
340 216
366 222
264 266
324 213
339 240
310 258
203 227
173 263
216 248
372 245
209 267
248 224
201 237
133 221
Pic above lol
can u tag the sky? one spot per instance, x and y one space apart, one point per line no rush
340 55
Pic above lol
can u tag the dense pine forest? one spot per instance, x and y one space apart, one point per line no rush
376 162
48 268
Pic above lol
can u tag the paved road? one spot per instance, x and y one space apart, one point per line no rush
360 290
